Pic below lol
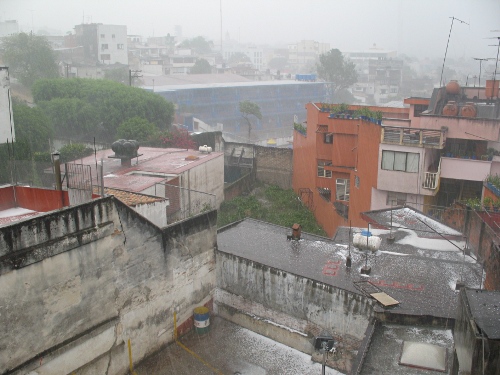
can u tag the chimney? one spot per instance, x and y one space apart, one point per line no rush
296 231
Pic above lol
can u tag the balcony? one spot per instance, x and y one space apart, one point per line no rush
413 137
465 169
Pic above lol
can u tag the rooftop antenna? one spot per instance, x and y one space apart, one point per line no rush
480 63
496 63
447 43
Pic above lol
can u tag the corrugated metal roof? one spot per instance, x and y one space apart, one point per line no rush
485 309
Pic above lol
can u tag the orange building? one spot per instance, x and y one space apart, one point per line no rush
335 164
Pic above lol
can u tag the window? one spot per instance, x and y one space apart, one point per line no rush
104 47
325 193
342 189
395 199
113 36
120 46
328 138
400 161
321 168
106 57
356 181
103 36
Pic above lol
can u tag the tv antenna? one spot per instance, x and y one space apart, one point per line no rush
447 43
480 63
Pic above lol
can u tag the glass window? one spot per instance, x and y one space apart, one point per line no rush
400 161
342 189
328 138
395 199
325 193
321 169
104 47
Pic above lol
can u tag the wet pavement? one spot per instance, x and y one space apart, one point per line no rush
230 350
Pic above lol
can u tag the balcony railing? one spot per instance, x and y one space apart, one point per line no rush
431 180
413 137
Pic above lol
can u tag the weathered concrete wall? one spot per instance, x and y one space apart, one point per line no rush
75 285
207 178
243 185
295 308
155 212
484 241
274 166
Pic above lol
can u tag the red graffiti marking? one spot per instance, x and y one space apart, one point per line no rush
397 285
331 267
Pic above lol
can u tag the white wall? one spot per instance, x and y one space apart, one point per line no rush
155 212
120 38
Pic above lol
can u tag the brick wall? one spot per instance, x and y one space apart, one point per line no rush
274 166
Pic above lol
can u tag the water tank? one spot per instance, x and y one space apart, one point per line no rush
365 241
205 149
453 88
468 110
450 109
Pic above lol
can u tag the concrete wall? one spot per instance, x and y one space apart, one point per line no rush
76 284
155 212
274 166
295 308
243 185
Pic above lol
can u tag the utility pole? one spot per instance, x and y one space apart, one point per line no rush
133 74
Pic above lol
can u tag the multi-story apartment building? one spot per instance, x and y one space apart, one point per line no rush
104 44
425 156
306 52
379 75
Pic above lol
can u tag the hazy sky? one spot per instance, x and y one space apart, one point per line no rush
414 27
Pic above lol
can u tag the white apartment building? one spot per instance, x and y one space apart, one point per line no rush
306 52
104 44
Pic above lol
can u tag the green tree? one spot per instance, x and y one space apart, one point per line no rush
136 128
29 58
198 44
111 102
119 74
333 67
238 57
247 109
74 151
201 66
33 130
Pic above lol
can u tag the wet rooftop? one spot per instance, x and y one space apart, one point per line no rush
420 269
387 343
485 309
154 165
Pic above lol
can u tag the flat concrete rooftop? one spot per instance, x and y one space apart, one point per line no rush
230 349
418 269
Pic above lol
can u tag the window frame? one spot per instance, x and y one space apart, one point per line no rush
397 162
345 192
397 197
321 171
328 138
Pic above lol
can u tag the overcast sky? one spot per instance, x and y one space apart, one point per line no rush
414 27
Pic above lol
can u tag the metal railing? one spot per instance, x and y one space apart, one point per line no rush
413 137
431 179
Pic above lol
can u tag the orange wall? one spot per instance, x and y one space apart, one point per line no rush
348 150
7 199
41 200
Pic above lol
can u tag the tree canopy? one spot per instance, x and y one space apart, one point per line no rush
198 44
98 107
33 129
29 58
238 57
201 66
136 128
248 108
333 67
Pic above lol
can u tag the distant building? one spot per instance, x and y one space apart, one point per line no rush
379 75
8 27
306 52
103 44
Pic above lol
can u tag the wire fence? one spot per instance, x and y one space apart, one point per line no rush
183 202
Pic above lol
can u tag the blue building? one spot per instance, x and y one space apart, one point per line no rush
213 103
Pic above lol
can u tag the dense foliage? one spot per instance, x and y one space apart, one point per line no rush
201 66
74 151
29 57
33 130
106 105
137 128
198 44
271 204
333 67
